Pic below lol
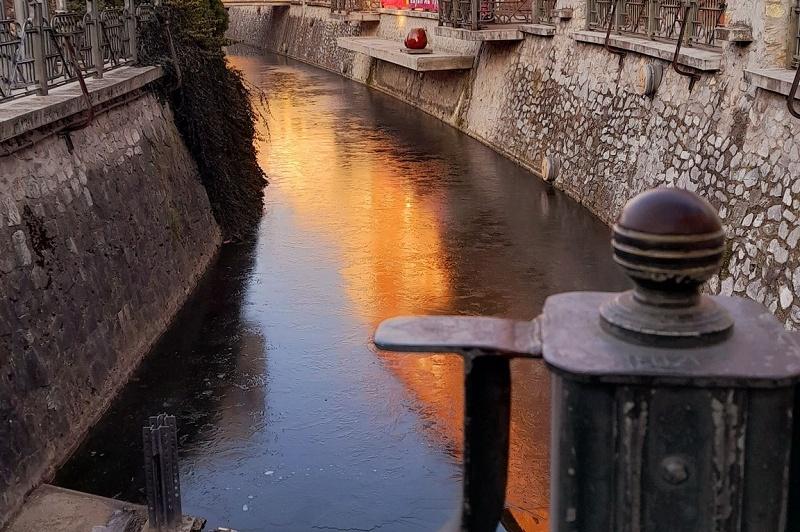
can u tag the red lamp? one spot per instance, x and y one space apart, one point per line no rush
416 39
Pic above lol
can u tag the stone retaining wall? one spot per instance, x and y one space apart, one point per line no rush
101 241
552 96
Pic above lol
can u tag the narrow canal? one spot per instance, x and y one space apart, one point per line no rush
288 418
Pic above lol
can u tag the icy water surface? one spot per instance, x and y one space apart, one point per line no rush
289 419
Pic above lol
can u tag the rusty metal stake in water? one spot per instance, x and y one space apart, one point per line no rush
161 473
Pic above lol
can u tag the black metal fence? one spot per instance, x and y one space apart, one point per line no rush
475 14
38 52
344 7
659 19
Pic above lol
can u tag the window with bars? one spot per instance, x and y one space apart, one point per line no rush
659 19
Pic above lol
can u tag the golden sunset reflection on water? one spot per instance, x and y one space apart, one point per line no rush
388 232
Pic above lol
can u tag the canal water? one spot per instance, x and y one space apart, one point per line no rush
289 419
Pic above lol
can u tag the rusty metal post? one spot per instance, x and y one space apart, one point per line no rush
162 482
130 23
21 12
475 13
39 47
95 36
671 410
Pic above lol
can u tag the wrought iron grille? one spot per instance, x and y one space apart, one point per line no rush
350 6
660 19
543 11
72 27
475 14
145 11
34 56
12 74
115 35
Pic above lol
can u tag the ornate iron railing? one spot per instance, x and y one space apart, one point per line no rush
659 19
116 43
38 53
475 14
343 7
12 75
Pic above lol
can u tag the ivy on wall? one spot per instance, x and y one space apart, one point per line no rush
212 107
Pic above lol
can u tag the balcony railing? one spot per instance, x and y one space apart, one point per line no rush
40 52
659 19
475 14
345 7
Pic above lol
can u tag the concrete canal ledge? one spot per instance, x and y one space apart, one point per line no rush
603 126
390 51
50 508
105 228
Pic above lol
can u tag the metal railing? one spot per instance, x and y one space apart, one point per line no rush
475 14
344 7
39 52
659 19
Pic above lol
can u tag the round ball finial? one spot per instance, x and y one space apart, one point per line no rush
669 241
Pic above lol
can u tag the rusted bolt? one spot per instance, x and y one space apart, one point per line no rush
674 470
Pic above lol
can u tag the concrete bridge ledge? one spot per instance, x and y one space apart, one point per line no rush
778 80
410 13
542 30
28 113
357 16
494 33
701 59
391 51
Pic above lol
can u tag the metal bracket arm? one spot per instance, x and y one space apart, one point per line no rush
487 345
460 334
790 98
692 75
606 45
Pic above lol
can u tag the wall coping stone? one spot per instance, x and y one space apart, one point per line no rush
408 13
492 33
357 16
701 59
256 3
391 51
772 79
542 30
27 113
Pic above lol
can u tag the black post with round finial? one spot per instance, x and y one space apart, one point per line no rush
669 241
672 410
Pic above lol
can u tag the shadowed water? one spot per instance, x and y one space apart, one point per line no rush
288 417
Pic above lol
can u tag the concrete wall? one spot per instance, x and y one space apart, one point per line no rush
99 247
726 139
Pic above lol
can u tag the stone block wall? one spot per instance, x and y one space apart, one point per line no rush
100 244
730 141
